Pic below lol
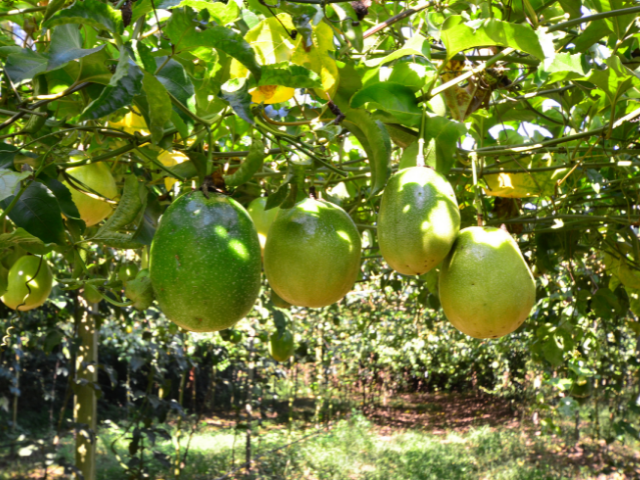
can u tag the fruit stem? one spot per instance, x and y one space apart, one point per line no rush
477 201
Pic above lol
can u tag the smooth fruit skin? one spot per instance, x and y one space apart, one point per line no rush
281 345
312 254
96 176
486 287
418 221
205 262
262 219
17 294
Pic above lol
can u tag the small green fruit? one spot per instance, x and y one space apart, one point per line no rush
281 345
205 262
312 255
418 221
91 294
139 290
279 302
18 295
486 287
127 271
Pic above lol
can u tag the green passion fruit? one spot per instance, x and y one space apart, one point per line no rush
205 263
312 254
485 285
281 345
34 272
418 220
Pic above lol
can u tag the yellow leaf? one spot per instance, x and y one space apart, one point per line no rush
270 94
132 122
271 43
318 60
169 159
522 185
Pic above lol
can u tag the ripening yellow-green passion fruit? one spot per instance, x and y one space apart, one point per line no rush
31 271
97 177
486 287
205 263
281 345
312 254
262 218
418 220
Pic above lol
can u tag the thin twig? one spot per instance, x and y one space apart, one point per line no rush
396 18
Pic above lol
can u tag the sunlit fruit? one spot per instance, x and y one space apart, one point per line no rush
418 220
94 177
312 254
205 262
486 287
28 283
262 218
281 345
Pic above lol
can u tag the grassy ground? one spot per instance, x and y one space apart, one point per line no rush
362 448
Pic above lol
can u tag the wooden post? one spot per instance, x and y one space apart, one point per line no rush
85 407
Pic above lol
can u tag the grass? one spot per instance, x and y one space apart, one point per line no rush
355 448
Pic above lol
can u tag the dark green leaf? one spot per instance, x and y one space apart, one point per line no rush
145 58
457 36
66 45
177 82
7 154
22 67
65 202
393 98
239 100
183 34
289 75
88 12
124 85
38 212
160 108
9 180
20 237
278 197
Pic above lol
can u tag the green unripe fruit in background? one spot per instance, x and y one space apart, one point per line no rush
486 287
281 345
139 290
312 255
98 178
262 219
4 281
205 263
279 302
418 221
91 294
127 271
231 335
23 271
